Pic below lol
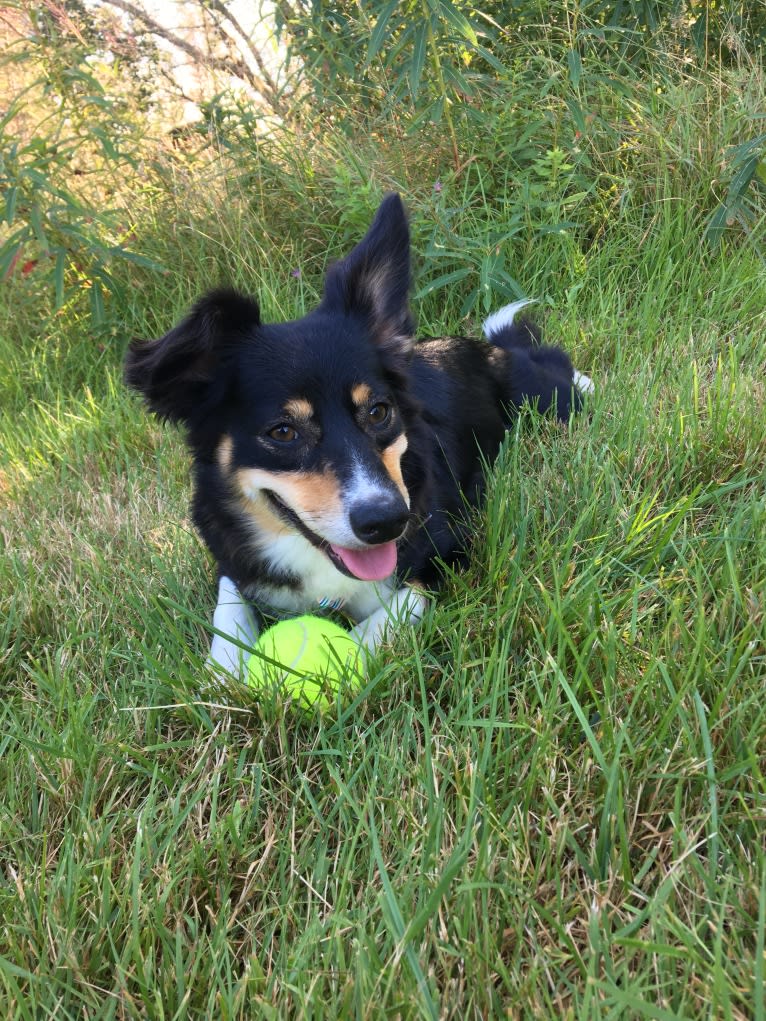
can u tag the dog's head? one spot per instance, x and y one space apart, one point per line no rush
306 420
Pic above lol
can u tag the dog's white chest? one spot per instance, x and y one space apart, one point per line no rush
322 586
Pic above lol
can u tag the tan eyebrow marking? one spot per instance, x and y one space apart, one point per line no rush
361 394
225 452
300 409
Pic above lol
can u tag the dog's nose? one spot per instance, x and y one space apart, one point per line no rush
379 521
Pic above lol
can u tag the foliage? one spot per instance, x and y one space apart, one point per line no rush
539 114
428 66
743 202
437 52
421 51
67 140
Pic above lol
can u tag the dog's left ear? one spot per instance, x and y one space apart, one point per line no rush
373 281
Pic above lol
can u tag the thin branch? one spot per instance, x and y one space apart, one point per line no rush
237 68
225 13
229 43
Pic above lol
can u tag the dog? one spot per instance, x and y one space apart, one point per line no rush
334 457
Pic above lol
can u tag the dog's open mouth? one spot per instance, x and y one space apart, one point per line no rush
372 563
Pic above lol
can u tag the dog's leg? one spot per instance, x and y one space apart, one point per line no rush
406 606
235 631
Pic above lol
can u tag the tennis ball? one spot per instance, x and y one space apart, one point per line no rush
307 658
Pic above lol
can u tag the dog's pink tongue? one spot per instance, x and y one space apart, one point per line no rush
373 564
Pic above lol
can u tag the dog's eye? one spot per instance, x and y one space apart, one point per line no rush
283 433
379 413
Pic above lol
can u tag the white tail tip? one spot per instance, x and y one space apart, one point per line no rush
504 317
583 383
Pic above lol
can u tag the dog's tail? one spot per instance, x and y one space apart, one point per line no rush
504 330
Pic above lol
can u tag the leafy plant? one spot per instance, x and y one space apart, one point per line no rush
747 165
66 143
428 47
436 53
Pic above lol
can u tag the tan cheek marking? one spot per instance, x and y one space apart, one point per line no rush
392 459
300 409
225 452
267 522
361 394
315 497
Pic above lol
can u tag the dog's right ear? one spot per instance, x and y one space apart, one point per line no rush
187 372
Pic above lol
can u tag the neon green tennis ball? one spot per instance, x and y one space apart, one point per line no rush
307 658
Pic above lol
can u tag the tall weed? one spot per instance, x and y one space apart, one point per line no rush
511 142
70 139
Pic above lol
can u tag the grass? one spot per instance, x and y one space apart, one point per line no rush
550 800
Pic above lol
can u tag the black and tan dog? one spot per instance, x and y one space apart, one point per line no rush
334 456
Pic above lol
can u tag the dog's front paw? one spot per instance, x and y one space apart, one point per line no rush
406 606
235 632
